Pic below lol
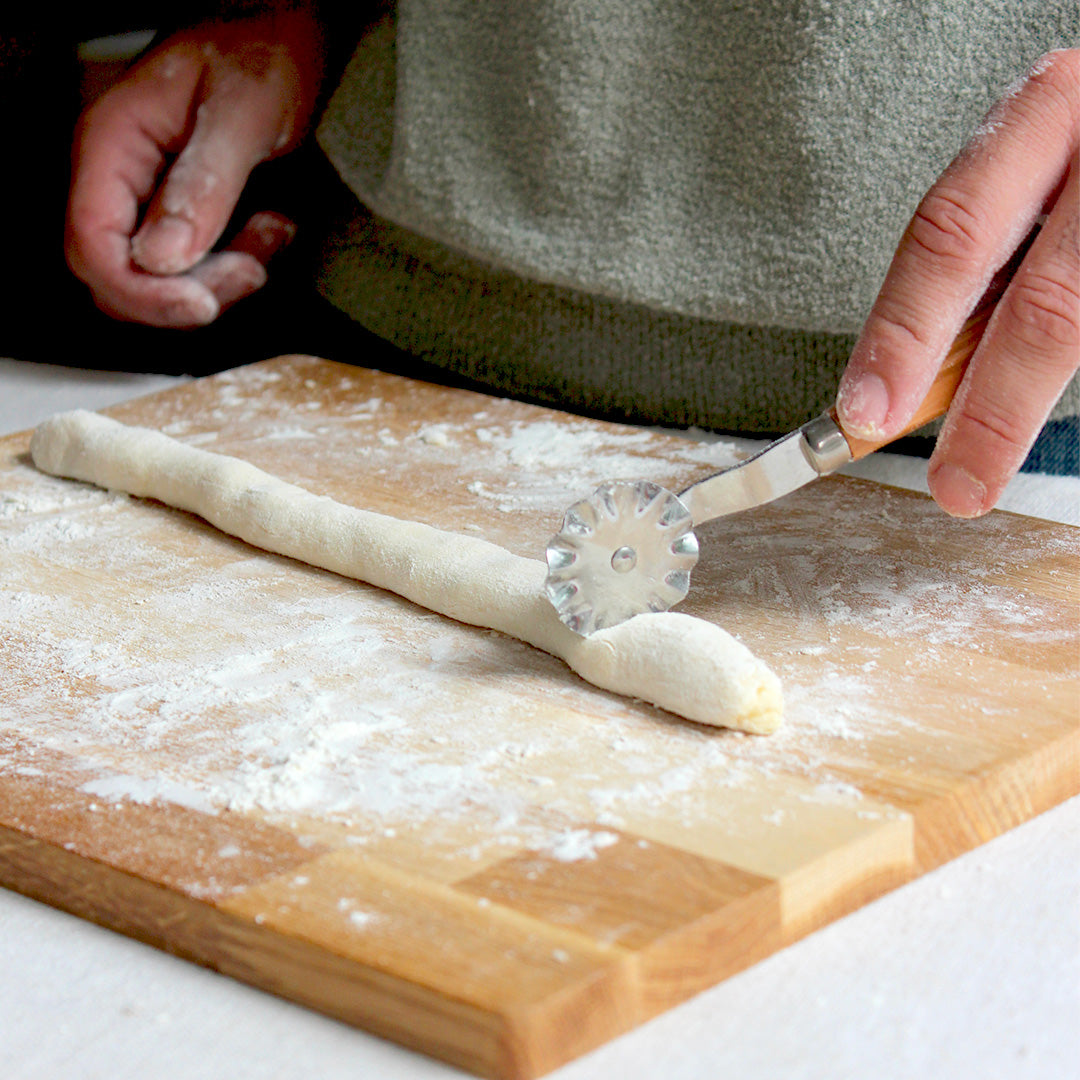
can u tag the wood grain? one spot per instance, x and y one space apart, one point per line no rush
442 836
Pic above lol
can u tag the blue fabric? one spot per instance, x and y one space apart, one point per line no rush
1057 449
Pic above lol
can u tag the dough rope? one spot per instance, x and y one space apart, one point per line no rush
683 664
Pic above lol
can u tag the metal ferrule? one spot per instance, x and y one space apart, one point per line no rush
824 444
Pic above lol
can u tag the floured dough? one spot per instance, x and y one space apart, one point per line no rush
686 665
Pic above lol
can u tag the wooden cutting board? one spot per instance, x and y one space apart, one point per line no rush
442 835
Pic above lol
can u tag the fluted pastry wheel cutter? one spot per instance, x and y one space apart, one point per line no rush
630 546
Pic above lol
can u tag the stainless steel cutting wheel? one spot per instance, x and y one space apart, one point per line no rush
626 549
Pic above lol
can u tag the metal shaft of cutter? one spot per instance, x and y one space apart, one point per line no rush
783 466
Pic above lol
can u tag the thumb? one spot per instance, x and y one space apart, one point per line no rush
234 130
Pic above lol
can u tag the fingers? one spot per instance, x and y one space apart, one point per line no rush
240 270
265 234
237 124
965 229
1029 352
230 276
120 148
173 145
214 284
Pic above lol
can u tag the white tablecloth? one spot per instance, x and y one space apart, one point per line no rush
972 971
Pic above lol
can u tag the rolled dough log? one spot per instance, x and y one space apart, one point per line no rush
686 665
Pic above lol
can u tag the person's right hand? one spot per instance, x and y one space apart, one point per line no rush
160 160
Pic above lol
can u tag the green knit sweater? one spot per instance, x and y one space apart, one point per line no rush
673 211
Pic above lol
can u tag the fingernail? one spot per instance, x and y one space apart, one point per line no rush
272 231
863 405
165 246
196 309
958 492
230 276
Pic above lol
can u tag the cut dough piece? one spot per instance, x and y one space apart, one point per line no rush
686 665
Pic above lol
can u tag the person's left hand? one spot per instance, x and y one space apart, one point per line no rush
1021 164
160 160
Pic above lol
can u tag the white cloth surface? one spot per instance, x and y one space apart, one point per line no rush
31 392
1056 498
972 971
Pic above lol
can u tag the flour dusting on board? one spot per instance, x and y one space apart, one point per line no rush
536 464
549 462
167 662
580 844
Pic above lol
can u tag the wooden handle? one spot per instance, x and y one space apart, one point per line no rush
944 387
